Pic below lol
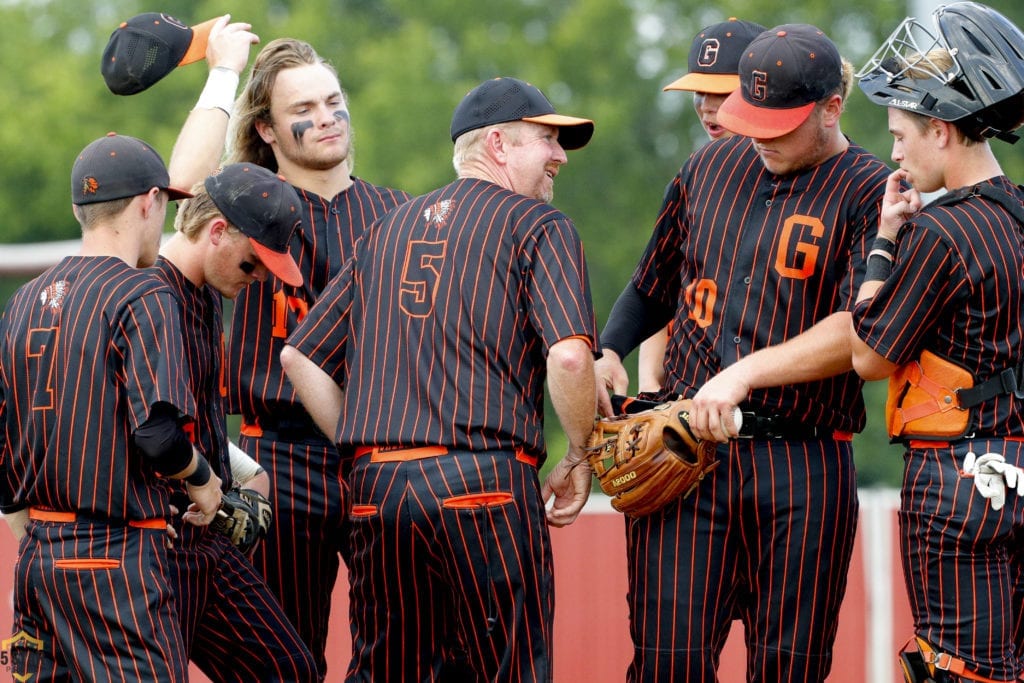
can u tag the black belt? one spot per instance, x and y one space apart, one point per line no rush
776 427
293 427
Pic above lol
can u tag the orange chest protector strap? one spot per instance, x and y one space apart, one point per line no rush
923 399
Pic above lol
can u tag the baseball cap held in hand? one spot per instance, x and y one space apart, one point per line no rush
784 72
265 208
149 46
714 59
117 167
501 100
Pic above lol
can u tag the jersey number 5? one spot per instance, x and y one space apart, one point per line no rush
420 276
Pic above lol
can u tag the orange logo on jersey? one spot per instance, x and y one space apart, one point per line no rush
708 52
438 213
794 257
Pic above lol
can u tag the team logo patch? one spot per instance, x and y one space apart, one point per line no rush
438 213
89 185
53 296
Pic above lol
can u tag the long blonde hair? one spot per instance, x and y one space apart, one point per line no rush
253 105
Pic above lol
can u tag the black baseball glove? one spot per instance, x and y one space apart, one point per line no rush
244 517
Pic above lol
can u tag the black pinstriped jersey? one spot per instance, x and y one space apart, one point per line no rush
440 325
87 348
265 313
202 330
750 259
956 290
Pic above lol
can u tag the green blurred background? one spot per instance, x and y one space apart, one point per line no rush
405 64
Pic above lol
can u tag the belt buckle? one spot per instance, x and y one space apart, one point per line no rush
772 427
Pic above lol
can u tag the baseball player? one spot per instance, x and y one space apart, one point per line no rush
441 330
311 146
233 232
941 314
713 73
758 288
93 406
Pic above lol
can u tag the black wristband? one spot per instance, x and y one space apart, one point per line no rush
878 268
202 473
884 245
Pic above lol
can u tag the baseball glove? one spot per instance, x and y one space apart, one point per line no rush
647 459
244 517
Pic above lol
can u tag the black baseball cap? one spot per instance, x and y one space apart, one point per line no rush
714 59
265 207
783 73
501 100
118 166
149 46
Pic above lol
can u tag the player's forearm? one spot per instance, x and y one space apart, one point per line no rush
820 352
200 145
320 394
573 390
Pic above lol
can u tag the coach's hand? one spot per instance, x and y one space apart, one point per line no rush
569 482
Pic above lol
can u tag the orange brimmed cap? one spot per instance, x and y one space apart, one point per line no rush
149 46
714 59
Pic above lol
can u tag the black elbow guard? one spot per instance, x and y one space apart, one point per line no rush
163 442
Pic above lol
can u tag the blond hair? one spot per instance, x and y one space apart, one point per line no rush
253 104
194 213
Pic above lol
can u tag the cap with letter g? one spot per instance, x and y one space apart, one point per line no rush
784 72
500 100
265 208
116 167
149 46
714 57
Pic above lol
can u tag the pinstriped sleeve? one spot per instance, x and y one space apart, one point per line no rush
559 289
148 337
322 336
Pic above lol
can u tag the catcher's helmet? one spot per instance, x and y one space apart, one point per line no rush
986 51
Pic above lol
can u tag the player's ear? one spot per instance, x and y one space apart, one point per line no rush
218 229
265 131
496 142
832 110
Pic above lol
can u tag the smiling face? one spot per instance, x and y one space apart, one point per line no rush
534 157
309 119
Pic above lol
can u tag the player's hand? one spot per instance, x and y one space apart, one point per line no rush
715 405
205 501
898 205
611 378
992 476
569 482
229 44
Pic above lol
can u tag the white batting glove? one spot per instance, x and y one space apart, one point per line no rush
992 475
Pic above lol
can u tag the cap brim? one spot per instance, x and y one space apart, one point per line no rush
742 118
716 84
280 264
573 132
175 194
200 37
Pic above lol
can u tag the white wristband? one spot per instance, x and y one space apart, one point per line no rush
219 92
